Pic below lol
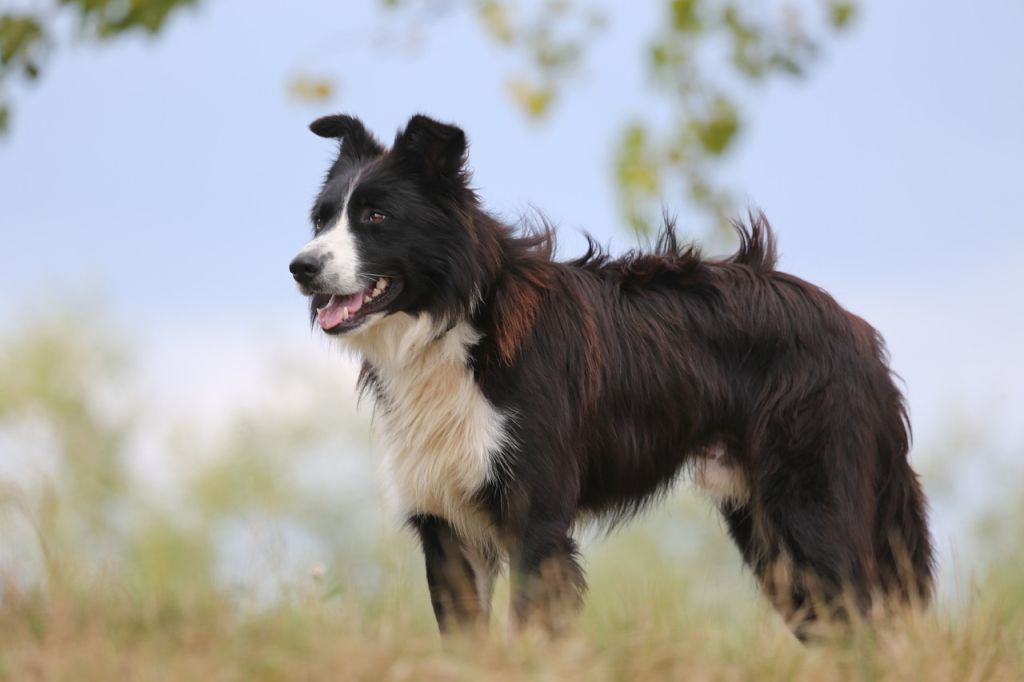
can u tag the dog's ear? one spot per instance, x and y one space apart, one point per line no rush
437 150
356 142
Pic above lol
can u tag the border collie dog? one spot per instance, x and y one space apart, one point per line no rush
516 395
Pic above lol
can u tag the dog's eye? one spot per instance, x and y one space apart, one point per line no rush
376 217
320 219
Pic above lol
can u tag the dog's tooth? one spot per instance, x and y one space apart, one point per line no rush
344 314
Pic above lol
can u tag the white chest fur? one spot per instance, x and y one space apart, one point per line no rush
441 438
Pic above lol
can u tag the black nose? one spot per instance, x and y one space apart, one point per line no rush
305 268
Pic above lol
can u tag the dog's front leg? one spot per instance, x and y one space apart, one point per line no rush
459 580
547 581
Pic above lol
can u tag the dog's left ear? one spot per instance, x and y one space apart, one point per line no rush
437 150
356 142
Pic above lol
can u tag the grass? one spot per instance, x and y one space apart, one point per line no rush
647 618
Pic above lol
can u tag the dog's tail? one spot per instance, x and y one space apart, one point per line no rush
757 243
903 544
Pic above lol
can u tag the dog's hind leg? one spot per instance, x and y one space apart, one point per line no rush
772 566
802 554
459 578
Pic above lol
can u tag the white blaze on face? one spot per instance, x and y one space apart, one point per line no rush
336 247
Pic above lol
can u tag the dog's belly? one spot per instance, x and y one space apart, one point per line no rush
441 439
715 473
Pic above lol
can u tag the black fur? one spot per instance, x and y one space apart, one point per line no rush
624 371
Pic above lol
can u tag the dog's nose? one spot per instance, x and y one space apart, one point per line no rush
305 268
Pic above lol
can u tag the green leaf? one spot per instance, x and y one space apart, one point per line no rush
841 14
718 129
105 19
637 170
497 21
534 100
685 17
19 36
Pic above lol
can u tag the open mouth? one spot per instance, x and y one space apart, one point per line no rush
343 313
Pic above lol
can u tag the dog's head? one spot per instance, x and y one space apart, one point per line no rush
389 227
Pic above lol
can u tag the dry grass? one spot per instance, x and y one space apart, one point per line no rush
653 622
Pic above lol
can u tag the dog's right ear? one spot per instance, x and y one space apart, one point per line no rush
437 151
356 142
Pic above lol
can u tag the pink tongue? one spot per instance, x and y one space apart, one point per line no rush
331 314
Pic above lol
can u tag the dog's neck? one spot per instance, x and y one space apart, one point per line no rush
402 340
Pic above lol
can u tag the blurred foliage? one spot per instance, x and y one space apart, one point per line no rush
54 389
72 511
28 34
309 88
22 47
699 60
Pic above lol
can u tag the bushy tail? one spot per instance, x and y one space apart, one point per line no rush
903 544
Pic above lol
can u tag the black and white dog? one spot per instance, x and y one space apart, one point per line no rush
516 395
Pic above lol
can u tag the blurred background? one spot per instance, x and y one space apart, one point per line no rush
167 417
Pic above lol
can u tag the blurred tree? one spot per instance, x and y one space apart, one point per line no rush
700 56
54 383
28 34
699 59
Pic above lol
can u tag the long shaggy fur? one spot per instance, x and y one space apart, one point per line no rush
611 376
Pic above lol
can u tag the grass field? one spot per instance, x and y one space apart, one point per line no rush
648 618
102 578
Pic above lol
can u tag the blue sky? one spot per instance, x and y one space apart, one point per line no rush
173 177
